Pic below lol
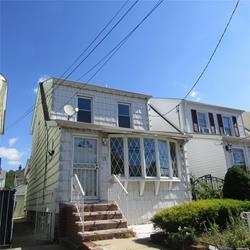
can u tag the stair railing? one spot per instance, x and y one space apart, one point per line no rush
78 196
118 195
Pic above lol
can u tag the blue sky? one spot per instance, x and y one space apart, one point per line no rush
163 58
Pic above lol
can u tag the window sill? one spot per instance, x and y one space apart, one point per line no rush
148 179
156 180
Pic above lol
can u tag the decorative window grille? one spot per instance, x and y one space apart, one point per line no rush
174 159
164 160
134 157
117 156
150 158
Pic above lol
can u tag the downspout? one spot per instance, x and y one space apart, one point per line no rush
46 118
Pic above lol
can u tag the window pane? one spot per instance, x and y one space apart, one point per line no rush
174 159
124 121
238 156
227 126
84 116
163 154
123 109
134 157
202 120
117 156
85 151
84 104
150 159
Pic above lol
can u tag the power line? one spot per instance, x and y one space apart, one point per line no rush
208 62
116 48
112 52
32 108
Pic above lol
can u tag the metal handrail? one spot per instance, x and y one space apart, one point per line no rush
119 182
77 187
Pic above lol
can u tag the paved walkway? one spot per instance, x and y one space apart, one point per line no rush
141 242
25 239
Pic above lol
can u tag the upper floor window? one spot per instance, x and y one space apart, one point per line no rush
124 115
84 113
227 125
202 122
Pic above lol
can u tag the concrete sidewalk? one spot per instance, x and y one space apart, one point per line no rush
24 238
140 242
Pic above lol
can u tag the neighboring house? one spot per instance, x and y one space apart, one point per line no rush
3 101
246 120
217 134
19 177
108 143
2 176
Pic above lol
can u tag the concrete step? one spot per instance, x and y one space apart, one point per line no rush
102 225
102 215
102 206
106 234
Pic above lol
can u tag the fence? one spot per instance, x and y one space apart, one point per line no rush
45 216
7 203
206 186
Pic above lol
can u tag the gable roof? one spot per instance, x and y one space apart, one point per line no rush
81 85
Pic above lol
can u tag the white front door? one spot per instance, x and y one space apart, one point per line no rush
86 164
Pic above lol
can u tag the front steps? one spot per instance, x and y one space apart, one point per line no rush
102 221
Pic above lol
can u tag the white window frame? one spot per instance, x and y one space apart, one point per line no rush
207 121
143 165
230 123
130 113
91 107
244 155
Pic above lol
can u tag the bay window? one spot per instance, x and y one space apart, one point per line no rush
134 157
163 157
143 157
174 162
117 156
150 159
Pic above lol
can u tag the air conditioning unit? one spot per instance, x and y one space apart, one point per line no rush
205 130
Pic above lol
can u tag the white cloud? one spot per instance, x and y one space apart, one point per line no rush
14 163
11 154
43 78
195 96
35 89
12 141
40 79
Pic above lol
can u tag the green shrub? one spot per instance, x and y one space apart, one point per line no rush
235 236
237 184
179 240
199 214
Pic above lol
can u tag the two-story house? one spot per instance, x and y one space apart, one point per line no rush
3 101
105 139
217 134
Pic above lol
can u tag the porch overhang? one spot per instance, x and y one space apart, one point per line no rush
236 139
117 130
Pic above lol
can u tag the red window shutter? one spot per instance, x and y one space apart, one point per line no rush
236 128
220 123
212 125
195 120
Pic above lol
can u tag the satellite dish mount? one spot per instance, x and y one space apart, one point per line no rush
70 110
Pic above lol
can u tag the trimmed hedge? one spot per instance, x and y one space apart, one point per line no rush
199 214
236 184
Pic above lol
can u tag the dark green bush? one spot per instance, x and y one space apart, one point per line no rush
199 214
237 184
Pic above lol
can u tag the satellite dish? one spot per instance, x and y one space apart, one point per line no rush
69 110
